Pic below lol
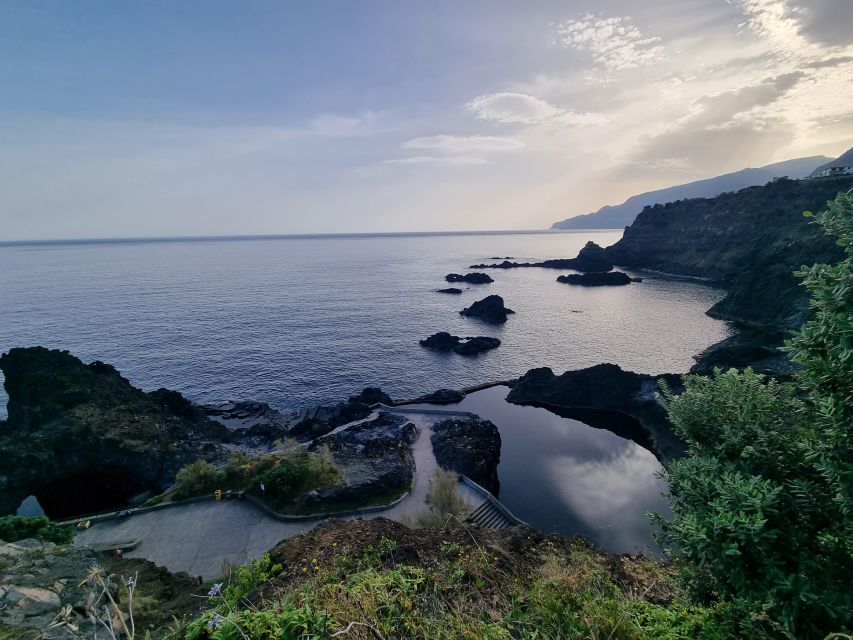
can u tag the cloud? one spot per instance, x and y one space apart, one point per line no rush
464 144
614 43
438 160
828 62
826 22
520 108
718 129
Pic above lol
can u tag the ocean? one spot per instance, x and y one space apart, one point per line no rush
305 320
301 321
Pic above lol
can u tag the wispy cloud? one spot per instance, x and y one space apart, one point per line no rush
464 144
614 43
520 108
438 160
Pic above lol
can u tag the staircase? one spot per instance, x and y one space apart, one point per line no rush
488 516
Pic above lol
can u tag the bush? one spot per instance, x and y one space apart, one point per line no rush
763 503
13 528
198 478
444 501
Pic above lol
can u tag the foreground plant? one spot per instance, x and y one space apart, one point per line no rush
763 503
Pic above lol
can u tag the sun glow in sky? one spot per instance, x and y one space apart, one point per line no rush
210 117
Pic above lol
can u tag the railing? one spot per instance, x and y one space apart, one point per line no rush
497 504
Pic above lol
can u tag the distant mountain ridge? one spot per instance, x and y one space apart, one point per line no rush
621 215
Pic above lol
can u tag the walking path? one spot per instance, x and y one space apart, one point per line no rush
199 537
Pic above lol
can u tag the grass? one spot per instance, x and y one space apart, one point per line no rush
561 590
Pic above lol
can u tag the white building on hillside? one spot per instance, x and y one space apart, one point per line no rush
842 165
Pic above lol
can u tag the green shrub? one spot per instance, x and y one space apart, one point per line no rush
763 503
198 478
444 502
13 528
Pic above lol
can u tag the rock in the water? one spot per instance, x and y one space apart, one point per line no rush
469 447
478 344
759 349
452 290
604 387
598 279
82 439
470 278
442 396
443 341
489 309
591 258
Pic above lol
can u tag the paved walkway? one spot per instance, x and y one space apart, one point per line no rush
199 537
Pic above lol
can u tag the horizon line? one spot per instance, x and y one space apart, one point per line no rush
287 236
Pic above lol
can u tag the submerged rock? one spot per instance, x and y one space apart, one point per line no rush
443 341
316 421
489 309
452 290
470 278
470 447
598 279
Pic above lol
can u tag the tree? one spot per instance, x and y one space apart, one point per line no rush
762 502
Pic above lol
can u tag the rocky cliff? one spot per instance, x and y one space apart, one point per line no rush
83 434
749 242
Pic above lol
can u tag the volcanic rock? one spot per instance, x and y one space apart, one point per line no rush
598 279
604 387
470 278
489 309
469 447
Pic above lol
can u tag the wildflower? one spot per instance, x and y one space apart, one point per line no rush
130 582
215 621
215 590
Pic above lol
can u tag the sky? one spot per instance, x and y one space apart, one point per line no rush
165 118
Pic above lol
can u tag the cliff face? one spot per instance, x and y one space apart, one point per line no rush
749 241
81 437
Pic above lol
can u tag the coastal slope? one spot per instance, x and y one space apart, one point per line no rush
620 215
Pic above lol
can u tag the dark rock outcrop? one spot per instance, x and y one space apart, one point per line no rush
470 278
443 341
452 290
376 456
750 242
442 396
598 279
470 447
489 309
316 421
604 387
82 438
759 349
590 258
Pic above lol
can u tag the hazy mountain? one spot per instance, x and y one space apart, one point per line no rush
621 215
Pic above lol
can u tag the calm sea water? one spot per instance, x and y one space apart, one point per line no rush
566 477
300 321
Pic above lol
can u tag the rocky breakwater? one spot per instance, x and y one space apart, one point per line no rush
443 341
490 309
81 438
470 278
374 457
590 258
596 279
604 388
471 447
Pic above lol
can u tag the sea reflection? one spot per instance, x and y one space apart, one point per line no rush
562 475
